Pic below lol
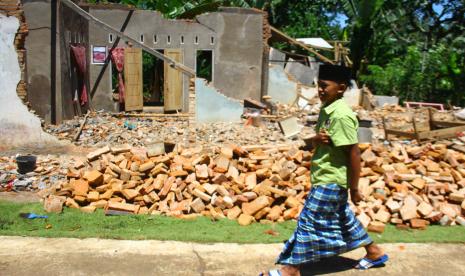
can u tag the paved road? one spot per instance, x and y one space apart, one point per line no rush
63 256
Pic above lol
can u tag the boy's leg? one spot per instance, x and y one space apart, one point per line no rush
374 252
290 270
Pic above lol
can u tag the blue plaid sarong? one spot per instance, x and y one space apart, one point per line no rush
326 227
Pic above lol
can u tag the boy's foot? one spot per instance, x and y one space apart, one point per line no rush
374 252
286 270
366 263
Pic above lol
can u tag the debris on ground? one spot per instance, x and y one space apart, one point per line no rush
32 216
250 171
245 183
103 128
411 185
406 185
49 170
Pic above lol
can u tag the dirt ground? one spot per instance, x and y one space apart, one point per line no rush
20 197
64 149
43 256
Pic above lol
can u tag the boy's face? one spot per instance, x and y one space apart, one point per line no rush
329 91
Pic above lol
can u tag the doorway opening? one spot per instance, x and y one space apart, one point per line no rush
204 64
153 79
151 84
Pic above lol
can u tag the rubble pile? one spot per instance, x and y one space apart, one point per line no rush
401 118
49 170
260 185
104 129
410 186
101 128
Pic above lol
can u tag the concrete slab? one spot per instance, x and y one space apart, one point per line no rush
302 73
64 256
365 135
382 100
212 106
290 126
353 95
309 93
280 87
277 58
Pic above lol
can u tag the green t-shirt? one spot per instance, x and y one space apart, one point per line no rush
329 162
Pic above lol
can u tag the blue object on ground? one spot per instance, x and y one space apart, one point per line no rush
32 216
130 125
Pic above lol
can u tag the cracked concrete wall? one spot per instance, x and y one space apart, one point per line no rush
304 74
38 57
238 55
212 106
277 58
18 127
280 87
234 35
149 24
382 100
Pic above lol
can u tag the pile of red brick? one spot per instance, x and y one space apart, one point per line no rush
410 186
260 185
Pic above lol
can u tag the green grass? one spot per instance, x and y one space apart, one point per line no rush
73 223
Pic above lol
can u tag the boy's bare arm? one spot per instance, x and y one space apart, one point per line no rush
354 172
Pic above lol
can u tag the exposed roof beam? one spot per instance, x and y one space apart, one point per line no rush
300 44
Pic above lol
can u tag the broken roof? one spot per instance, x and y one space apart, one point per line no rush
316 42
279 36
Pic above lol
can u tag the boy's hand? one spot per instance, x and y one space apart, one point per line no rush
322 138
355 196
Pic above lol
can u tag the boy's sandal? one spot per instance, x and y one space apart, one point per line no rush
366 263
274 272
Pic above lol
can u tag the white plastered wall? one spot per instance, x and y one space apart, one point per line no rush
18 127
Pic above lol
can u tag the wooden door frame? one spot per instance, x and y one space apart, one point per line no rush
167 68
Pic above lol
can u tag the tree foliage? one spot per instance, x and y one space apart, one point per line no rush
423 44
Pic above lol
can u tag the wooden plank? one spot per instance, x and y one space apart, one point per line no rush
400 133
178 66
458 148
149 115
76 137
173 83
447 123
441 133
133 99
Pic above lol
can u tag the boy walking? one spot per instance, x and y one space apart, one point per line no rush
326 226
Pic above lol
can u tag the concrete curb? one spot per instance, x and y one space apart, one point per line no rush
69 256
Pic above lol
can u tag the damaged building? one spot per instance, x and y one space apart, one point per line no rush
117 58
228 46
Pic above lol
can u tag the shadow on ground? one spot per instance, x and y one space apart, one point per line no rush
329 266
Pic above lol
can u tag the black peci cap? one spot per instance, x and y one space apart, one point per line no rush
334 73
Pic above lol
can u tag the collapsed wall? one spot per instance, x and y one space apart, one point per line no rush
213 106
18 127
15 8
